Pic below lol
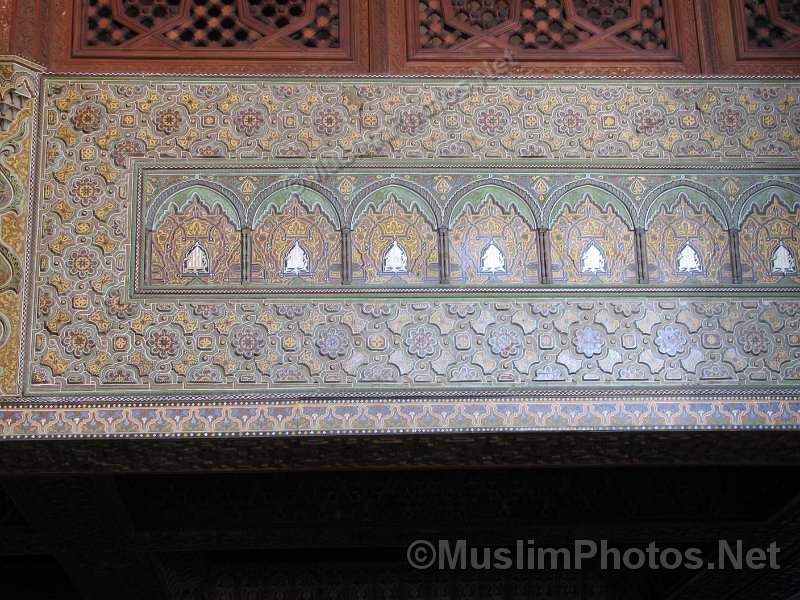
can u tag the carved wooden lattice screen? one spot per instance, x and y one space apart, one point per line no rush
543 37
195 24
324 32
535 25
552 35
772 25
757 37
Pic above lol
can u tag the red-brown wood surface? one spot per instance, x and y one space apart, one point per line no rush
400 37
214 36
638 37
755 36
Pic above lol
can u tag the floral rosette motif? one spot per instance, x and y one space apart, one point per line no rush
505 342
570 122
82 263
163 342
588 341
88 119
247 342
755 339
670 340
492 122
412 121
86 191
78 342
649 121
168 121
329 121
332 342
421 342
249 121
731 121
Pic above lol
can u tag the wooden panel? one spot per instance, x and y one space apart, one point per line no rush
757 37
213 36
533 37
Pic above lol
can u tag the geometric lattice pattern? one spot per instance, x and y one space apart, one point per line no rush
199 24
541 25
772 24
352 347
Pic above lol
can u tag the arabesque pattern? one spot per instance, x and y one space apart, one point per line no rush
18 92
673 230
312 231
182 231
576 231
516 241
123 155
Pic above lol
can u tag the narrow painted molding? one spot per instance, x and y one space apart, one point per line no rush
444 255
347 257
545 271
641 255
247 253
736 261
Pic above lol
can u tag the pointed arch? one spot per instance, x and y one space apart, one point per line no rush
310 193
209 193
383 218
602 194
407 193
768 218
760 195
479 222
505 193
671 193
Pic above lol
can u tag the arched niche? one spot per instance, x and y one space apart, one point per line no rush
194 245
493 239
769 236
592 239
212 194
309 194
296 239
394 239
687 239
409 198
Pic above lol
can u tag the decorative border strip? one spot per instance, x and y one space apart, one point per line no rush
26 318
449 291
418 77
706 410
